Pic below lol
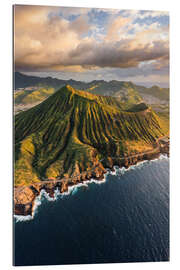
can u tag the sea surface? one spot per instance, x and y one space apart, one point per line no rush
123 219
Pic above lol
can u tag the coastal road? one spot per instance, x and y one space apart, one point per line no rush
55 181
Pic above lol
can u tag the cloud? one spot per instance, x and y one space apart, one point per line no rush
42 38
152 14
116 54
75 11
80 25
48 41
142 14
117 27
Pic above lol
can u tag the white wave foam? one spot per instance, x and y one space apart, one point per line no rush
120 171
37 203
99 182
19 218
43 194
73 189
162 156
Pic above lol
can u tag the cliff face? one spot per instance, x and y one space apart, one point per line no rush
24 197
23 200
76 135
72 131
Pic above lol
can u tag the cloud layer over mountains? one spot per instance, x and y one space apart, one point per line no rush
92 42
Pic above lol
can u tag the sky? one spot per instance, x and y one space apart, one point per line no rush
88 44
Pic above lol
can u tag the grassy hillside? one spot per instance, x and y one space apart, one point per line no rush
124 94
22 81
130 93
71 130
155 91
138 107
29 97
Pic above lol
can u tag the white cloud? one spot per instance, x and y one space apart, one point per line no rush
45 41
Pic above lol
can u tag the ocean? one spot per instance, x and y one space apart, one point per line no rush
123 219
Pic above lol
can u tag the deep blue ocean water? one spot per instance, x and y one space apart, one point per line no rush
124 219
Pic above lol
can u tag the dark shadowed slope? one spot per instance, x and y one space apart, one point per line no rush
71 130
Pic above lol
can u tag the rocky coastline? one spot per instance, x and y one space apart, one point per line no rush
24 197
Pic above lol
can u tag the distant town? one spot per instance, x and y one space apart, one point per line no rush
29 88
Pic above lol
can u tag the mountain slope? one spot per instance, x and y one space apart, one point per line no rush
72 130
30 97
154 94
22 81
127 94
114 88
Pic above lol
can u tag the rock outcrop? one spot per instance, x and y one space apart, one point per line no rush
24 197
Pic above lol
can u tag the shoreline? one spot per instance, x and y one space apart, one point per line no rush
26 204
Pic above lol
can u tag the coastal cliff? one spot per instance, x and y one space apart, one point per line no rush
73 136
24 197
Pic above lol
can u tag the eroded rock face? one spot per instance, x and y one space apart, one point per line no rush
24 197
23 200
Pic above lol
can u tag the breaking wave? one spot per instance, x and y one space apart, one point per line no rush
74 189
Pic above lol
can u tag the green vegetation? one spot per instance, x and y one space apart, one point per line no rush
155 91
30 97
138 107
71 130
124 95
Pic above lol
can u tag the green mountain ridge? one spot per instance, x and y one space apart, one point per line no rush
31 96
72 130
127 93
